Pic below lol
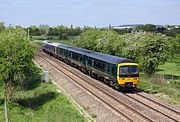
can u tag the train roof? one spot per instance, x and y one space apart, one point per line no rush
101 56
50 43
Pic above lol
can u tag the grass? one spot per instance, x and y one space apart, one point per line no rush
168 90
171 67
40 104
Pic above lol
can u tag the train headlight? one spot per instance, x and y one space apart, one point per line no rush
135 79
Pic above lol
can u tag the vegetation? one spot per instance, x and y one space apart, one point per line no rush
16 56
28 98
148 49
147 28
2 26
40 102
171 67
61 31
166 90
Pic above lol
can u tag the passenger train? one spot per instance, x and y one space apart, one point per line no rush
116 71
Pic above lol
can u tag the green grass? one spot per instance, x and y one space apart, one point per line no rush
169 90
41 104
44 37
171 67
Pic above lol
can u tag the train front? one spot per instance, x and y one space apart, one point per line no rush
128 75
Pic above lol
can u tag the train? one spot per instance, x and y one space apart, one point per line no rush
118 72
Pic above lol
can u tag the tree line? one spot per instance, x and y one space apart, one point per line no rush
168 30
61 31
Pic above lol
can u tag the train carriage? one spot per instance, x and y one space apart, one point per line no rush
50 47
117 71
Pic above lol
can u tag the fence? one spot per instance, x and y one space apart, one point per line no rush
167 77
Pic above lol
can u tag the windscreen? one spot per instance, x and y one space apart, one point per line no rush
129 71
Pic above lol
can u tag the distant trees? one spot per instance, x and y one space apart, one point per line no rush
2 26
33 30
44 29
177 44
148 49
147 27
62 31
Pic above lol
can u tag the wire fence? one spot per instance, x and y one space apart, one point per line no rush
167 77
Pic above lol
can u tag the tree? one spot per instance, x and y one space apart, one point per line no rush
2 26
44 29
33 30
16 56
177 43
148 49
147 27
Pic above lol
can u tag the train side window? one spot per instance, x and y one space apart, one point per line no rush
112 70
89 61
101 65
93 62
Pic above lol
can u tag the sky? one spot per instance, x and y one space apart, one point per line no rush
99 13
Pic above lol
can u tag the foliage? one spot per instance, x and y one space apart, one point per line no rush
148 49
177 45
2 26
122 31
16 56
147 27
62 31
166 90
171 68
33 30
44 29
172 31
41 103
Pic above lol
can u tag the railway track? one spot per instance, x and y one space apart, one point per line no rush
145 117
164 110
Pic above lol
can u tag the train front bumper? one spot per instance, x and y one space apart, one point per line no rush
128 82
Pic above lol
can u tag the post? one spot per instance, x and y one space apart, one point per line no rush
5 104
46 76
6 111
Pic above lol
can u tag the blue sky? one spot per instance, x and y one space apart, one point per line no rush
98 13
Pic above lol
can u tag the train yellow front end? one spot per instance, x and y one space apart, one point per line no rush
128 74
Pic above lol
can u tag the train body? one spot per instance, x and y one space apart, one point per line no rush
117 71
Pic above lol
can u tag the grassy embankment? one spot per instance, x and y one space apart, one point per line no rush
40 102
168 90
171 67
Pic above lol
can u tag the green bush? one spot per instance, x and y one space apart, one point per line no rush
148 49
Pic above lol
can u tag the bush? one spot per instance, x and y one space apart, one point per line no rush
16 55
148 49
